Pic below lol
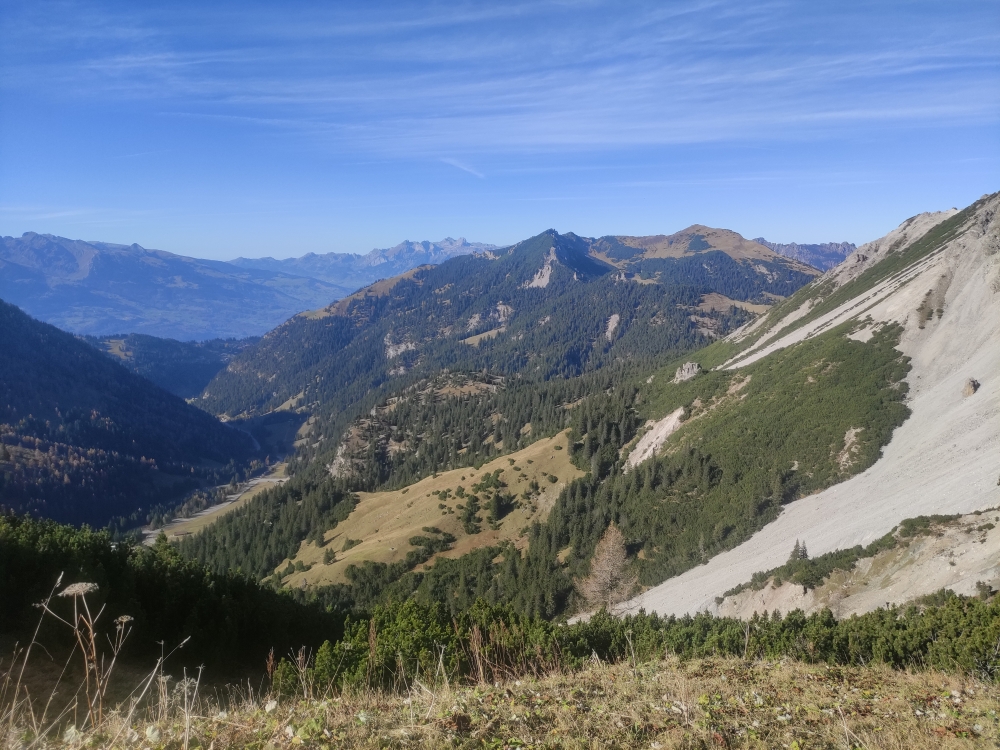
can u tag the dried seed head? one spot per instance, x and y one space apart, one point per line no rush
78 589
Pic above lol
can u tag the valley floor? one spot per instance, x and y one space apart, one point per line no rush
181 527
698 703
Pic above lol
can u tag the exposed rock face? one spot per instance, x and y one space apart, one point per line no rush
971 386
686 371
960 555
541 279
613 321
874 252
656 436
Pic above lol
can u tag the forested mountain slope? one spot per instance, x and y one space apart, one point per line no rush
813 394
82 439
557 331
553 305
935 280
182 367
101 288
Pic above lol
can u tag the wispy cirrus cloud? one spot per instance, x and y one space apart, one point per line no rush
524 77
464 167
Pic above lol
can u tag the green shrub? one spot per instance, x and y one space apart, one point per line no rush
921 525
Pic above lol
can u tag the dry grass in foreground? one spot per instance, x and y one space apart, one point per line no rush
699 703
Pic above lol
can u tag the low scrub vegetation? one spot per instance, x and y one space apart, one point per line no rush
812 572
230 620
709 702
356 679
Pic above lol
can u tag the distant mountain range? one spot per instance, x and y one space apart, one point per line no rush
355 271
824 256
554 305
100 288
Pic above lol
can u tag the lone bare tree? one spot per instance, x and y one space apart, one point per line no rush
610 582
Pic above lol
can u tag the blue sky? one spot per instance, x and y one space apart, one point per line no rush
225 129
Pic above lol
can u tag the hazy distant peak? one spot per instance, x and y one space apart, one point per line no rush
824 256
356 271
423 252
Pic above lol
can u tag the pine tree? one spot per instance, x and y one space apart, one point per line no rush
796 552
610 582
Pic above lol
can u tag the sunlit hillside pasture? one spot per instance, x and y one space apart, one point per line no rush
381 525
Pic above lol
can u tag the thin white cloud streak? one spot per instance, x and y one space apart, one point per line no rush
78 214
572 122
32 213
464 167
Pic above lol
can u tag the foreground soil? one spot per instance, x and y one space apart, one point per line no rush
699 703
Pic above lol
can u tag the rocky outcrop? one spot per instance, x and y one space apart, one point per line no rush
656 435
686 371
609 331
541 279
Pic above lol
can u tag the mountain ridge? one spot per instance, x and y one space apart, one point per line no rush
694 239
352 269
102 288
99 288
480 294
802 402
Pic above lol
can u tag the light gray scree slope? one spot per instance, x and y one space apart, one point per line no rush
944 459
